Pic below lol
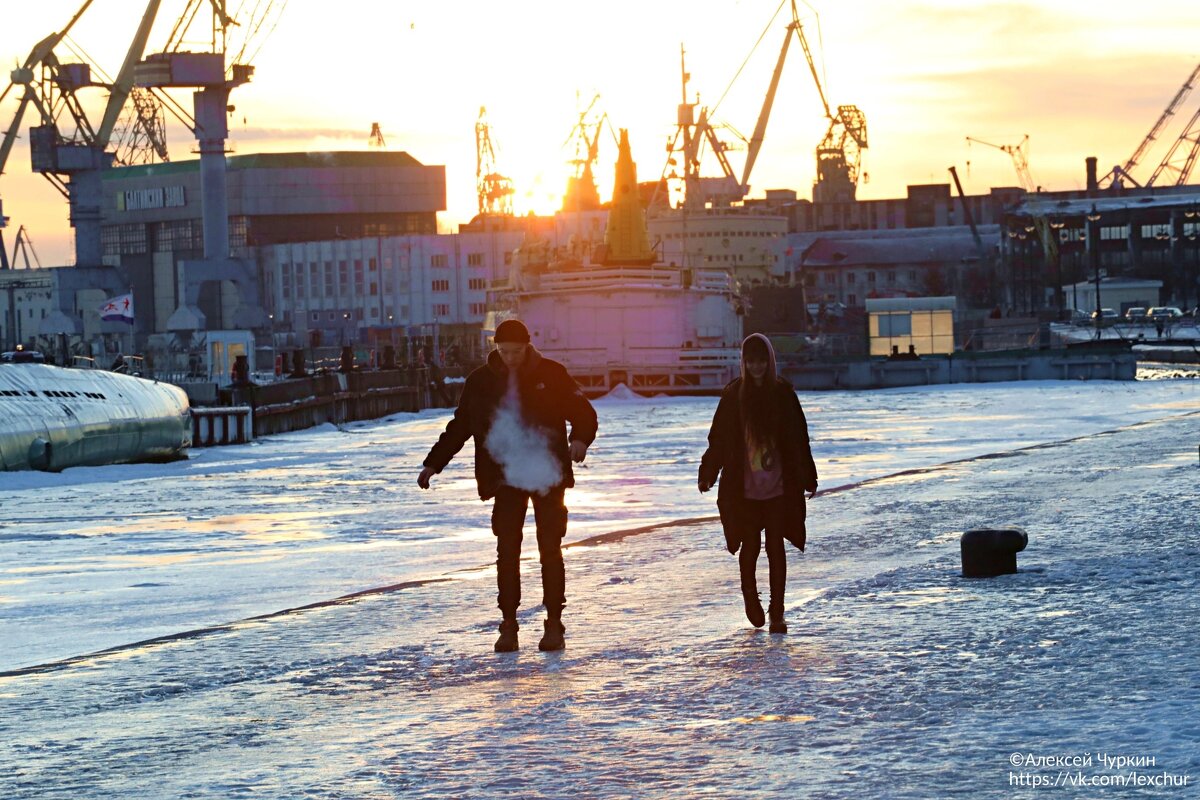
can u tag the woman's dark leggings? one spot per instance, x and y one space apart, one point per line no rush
762 515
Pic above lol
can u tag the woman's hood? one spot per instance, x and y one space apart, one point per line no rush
772 372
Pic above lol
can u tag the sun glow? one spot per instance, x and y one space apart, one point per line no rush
1081 78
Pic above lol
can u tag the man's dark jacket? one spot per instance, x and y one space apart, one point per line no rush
726 456
549 399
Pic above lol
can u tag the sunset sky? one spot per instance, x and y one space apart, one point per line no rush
1081 78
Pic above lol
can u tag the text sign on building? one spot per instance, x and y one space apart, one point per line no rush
157 197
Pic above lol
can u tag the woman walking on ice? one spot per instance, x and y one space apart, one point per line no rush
758 445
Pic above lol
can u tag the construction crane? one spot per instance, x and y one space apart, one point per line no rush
495 191
1190 136
1020 157
581 194
839 154
691 134
23 247
64 146
205 72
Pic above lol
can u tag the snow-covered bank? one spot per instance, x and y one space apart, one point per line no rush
900 679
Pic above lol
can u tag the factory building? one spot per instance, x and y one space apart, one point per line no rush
385 289
152 216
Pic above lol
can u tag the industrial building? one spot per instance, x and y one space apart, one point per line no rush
152 216
389 289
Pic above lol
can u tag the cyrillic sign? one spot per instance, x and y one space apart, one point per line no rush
158 197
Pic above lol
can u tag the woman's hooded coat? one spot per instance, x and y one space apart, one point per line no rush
726 453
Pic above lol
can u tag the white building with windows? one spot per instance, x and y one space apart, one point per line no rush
357 291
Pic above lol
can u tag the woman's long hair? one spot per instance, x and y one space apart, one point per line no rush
760 411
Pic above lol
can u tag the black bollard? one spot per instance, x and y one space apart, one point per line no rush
987 552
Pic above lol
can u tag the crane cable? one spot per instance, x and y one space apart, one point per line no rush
748 57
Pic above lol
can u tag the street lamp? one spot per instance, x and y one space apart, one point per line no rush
1057 225
1192 214
1093 217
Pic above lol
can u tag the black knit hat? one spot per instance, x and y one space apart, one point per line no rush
511 330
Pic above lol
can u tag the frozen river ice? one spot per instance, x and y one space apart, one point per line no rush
899 679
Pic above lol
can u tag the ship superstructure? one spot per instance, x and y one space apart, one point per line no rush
618 314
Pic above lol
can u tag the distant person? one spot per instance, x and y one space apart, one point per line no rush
517 406
758 445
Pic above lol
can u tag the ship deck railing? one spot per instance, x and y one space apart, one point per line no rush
626 278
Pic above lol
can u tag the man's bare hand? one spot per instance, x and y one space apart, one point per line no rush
578 451
703 485
423 478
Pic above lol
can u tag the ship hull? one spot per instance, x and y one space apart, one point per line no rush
53 418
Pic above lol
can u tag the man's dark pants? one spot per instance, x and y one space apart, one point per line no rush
508 518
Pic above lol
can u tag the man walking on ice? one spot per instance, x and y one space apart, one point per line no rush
517 406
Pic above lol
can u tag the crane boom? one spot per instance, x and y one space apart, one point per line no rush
1176 101
123 85
760 129
812 66
1190 135
1020 160
10 136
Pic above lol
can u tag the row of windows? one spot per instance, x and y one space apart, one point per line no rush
116 240
831 278
473 260
723 234
52 393
357 315
185 234
474 284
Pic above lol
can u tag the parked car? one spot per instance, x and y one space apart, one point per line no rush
1135 314
1106 315
1078 316
1164 313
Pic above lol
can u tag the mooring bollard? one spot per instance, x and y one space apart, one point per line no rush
987 552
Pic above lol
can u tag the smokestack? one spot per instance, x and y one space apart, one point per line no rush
1092 184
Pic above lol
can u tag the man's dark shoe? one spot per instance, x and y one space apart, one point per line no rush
754 611
508 637
777 623
552 639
